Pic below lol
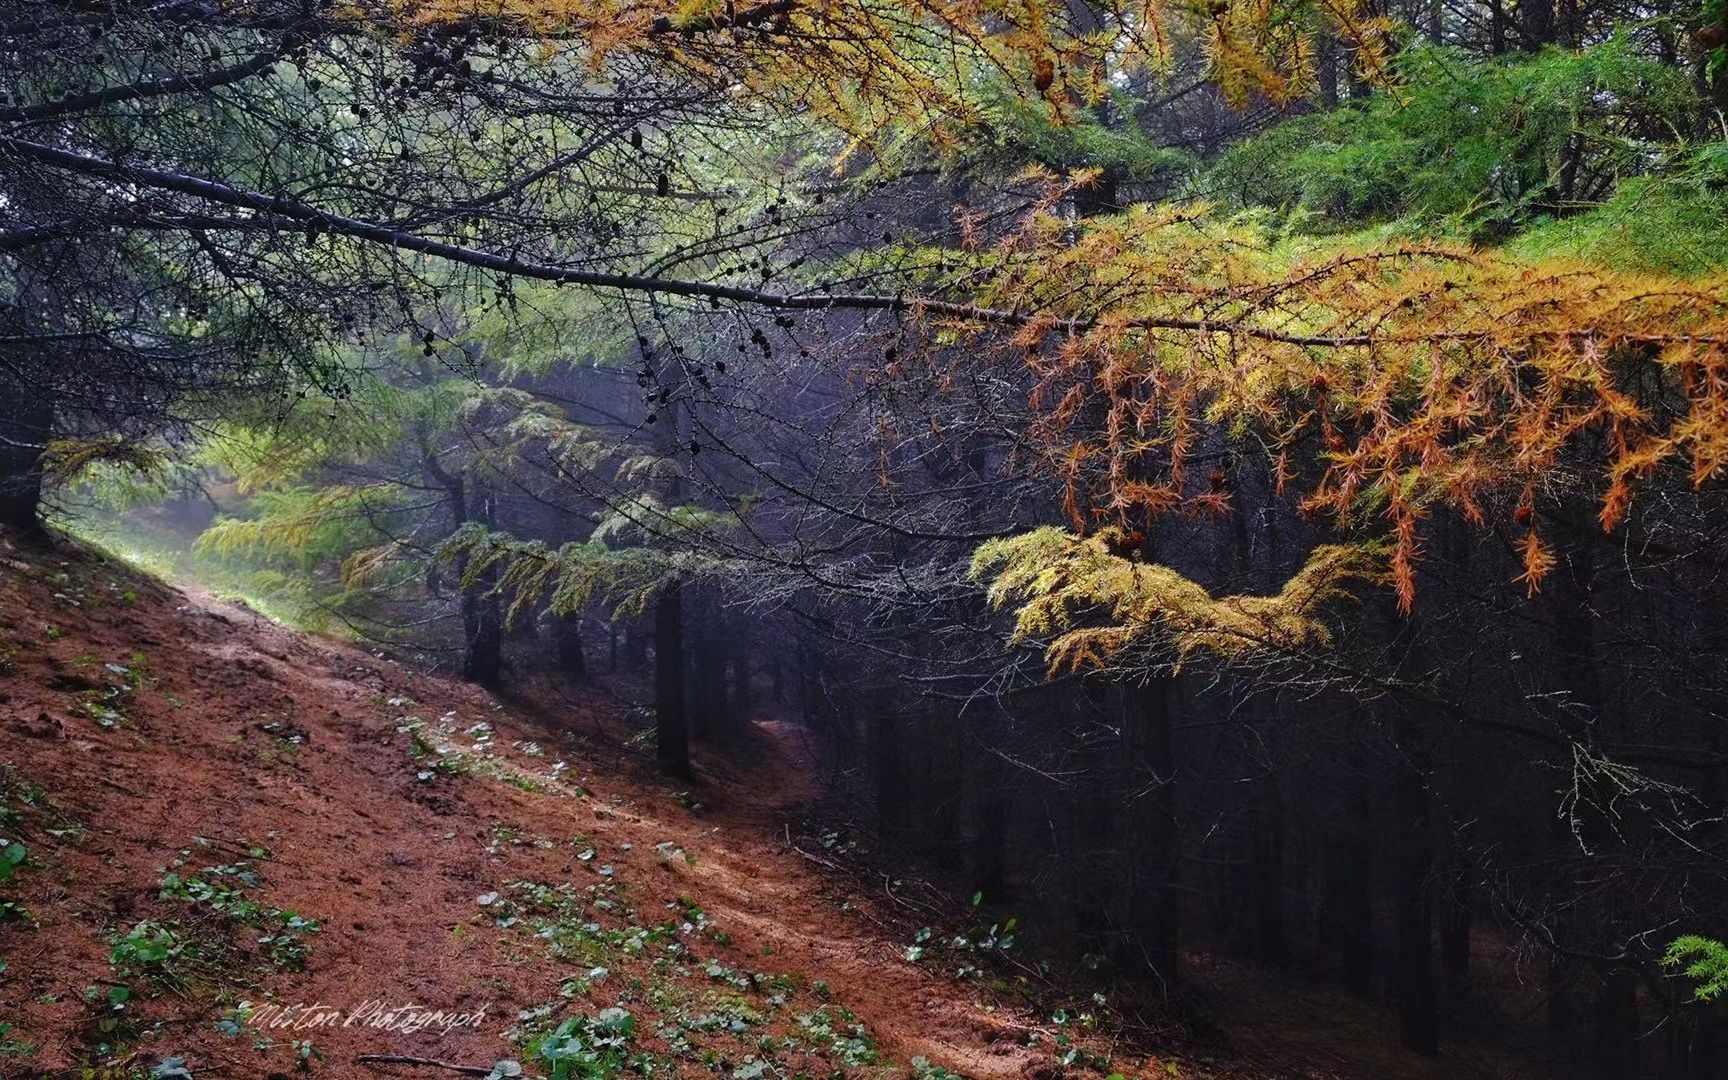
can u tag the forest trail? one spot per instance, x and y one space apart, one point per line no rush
189 773
451 862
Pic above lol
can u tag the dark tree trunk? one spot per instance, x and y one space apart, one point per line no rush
1349 915
1536 23
26 423
483 627
1417 1020
1497 24
1150 822
1268 862
889 771
482 622
1617 1026
1091 821
1411 728
568 637
738 691
992 807
710 719
1455 924
1326 68
635 647
482 619
1560 1009
671 722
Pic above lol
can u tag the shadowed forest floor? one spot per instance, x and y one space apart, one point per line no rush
193 782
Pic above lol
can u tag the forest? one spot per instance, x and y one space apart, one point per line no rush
881 538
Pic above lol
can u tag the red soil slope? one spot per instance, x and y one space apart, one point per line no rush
193 776
195 768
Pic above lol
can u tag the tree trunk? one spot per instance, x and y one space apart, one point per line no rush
1536 23
889 772
992 808
1417 1020
1455 923
671 721
1150 821
636 647
1268 863
1411 728
568 636
738 690
709 717
26 423
1617 1026
483 629
1326 68
1349 915
482 619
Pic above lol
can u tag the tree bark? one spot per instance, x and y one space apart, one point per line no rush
26 424
1617 1026
671 721
1417 1019
482 623
1150 821
889 772
710 718
1268 864
568 636
992 799
1455 925
1349 915
483 628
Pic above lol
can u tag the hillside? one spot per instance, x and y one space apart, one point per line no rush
218 810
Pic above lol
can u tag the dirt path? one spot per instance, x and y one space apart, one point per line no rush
151 733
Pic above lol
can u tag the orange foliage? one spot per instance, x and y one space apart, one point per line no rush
871 66
1412 378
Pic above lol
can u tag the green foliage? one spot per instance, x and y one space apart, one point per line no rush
288 596
572 576
224 891
1478 144
10 1047
1673 223
300 526
1025 130
12 855
584 1047
1703 960
152 949
65 460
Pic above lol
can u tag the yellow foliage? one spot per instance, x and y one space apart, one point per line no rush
64 460
1416 377
869 66
292 524
1063 582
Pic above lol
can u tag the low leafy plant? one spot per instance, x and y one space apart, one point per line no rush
152 949
223 890
12 855
10 1047
595 1046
